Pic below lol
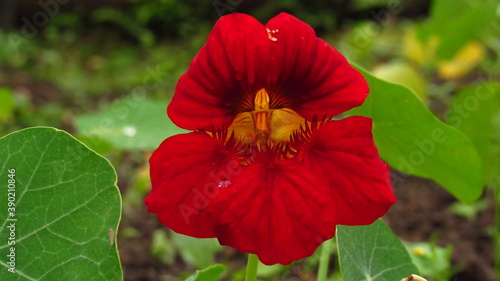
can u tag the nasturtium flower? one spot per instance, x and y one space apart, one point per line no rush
266 170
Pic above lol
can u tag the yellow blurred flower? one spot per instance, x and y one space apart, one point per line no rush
464 61
417 251
418 52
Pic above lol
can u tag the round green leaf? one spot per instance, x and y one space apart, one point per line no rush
129 124
372 253
64 212
411 139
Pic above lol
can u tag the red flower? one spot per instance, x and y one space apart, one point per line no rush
267 171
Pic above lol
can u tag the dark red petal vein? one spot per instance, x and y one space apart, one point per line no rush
312 75
231 65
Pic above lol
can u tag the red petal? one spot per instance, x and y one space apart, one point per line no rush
342 153
230 65
279 213
301 72
313 75
185 172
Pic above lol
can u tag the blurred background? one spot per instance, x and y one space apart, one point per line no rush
105 71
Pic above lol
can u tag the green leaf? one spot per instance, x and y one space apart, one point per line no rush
67 208
413 141
98 145
6 104
210 273
129 124
473 111
373 253
199 252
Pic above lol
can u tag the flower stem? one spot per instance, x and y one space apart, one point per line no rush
324 260
252 265
496 239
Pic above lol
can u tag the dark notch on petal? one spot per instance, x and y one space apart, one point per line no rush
304 133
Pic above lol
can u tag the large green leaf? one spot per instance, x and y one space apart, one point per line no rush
66 208
129 124
372 253
413 141
473 111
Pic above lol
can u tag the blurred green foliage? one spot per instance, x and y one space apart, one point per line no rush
210 273
432 261
129 124
6 103
167 18
468 211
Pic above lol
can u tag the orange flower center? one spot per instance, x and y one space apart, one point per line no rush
265 126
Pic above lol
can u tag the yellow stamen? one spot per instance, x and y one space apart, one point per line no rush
270 36
265 126
283 122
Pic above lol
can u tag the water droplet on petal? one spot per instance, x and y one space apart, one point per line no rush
225 183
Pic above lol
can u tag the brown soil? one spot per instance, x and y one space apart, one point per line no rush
422 211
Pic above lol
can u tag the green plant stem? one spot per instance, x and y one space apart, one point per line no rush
496 242
324 260
252 265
